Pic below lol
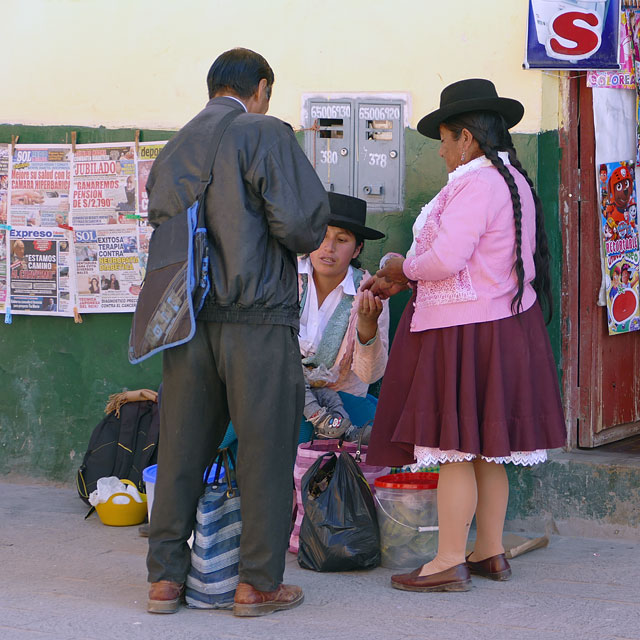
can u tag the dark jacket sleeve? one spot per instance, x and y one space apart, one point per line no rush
295 202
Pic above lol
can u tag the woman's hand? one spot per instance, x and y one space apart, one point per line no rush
389 280
369 310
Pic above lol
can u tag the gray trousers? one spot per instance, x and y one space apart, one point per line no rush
251 374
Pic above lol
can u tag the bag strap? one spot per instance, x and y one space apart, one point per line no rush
207 171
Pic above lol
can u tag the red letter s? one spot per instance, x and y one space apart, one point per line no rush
580 28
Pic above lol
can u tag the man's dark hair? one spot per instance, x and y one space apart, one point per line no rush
240 71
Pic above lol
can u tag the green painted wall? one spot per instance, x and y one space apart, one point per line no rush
56 376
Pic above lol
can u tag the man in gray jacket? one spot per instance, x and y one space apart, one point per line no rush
265 205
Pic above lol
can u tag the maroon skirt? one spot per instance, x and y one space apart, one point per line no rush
487 389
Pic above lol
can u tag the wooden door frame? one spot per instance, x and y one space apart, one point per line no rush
569 210
584 323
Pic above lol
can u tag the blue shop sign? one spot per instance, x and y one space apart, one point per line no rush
573 34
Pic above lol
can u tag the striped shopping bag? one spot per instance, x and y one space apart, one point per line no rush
213 577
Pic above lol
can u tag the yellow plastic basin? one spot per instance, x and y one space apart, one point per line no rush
123 515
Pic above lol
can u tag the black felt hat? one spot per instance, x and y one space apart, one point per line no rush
351 213
474 94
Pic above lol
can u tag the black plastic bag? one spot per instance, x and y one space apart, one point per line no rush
339 530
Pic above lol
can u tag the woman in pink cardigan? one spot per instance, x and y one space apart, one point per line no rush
471 382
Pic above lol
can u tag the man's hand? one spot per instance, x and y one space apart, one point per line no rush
369 310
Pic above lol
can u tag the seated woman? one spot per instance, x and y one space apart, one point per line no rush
344 331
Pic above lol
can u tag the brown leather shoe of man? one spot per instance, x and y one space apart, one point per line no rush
495 567
164 597
454 579
249 601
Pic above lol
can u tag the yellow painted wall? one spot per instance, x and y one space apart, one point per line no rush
143 63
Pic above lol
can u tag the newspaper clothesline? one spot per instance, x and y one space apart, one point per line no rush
73 227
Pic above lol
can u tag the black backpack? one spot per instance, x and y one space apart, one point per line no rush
121 446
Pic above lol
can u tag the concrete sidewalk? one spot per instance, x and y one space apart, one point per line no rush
63 578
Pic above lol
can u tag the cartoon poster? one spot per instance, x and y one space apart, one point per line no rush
104 189
40 177
573 34
620 245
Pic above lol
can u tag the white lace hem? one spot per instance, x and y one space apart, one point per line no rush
429 456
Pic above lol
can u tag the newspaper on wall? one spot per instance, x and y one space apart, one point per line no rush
4 183
144 237
104 189
40 176
619 224
4 239
4 206
147 153
107 268
40 275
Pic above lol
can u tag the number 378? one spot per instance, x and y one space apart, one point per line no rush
378 159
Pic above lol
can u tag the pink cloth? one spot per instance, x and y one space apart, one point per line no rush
466 251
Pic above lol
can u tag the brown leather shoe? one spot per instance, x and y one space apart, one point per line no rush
454 579
248 601
164 597
495 567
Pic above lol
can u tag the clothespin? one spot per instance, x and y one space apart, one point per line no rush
65 226
137 141
7 315
133 216
74 137
7 227
14 142
77 318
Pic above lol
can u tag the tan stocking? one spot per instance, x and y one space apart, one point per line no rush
493 495
457 497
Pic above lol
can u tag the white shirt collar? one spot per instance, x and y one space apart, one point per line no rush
236 99
477 163
305 266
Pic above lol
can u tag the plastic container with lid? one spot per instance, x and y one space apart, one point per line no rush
408 518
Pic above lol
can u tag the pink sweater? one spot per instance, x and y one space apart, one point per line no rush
466 251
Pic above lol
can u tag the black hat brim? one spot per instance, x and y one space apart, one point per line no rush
365 232
511 110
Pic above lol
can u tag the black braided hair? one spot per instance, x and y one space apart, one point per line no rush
490 132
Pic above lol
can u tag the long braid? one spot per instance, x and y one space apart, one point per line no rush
542 256
491 153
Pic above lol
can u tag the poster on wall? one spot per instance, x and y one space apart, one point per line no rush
40 177
573 34
619 224
147 153
624 78
104 189
40 276
107 268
